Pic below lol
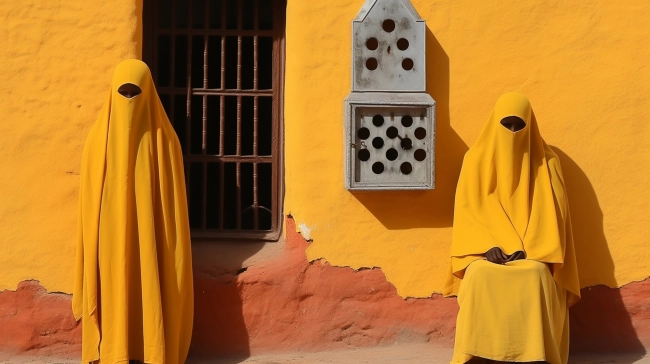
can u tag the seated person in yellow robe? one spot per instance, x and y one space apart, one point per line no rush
513 264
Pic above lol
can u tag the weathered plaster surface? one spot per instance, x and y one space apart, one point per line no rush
287 303
610 320
585 66
33 320
284 303
57 59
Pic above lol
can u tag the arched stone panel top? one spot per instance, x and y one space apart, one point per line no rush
388 47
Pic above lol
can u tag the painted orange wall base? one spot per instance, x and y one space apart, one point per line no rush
288 304
612 319
35 321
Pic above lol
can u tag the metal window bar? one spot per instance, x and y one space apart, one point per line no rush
173 56
218 32
217 92
153 29
188 105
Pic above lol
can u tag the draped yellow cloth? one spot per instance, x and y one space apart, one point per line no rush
513 312
133 286
511 195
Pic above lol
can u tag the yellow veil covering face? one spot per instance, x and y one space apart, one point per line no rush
511 195
133 284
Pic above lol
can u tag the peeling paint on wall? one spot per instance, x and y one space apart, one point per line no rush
288 304
586 74
37 321
305 231
585 66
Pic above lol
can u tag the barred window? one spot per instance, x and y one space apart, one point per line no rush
218 68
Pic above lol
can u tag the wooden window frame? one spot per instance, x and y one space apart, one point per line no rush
149 55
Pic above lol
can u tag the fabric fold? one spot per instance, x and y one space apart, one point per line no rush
511 195
133 287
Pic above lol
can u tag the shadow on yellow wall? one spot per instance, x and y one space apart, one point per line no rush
435 208
614 332
595 263
137 35
219 325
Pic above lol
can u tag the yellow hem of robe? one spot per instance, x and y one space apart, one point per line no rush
514 312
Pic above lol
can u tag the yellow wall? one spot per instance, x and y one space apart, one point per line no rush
56 63
584 65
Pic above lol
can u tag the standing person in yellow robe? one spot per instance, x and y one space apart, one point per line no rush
513 264
133 289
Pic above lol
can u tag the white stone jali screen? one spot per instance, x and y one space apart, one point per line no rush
389 117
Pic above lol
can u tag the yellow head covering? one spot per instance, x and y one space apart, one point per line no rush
133 284
511 195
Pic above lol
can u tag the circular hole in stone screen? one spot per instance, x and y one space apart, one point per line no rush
391 154
377 120
407 64
378 143
420 133
364 155
406 144
372 44
372 64
363 133
388 25
420 155
402 44
391 132
378 167
406 168
407 121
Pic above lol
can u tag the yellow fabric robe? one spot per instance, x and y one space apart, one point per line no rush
133 288
511 195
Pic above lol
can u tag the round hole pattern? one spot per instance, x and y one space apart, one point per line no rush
407 64
420 133
378 167
402 44
406 168
388 25
391 154
406 144
391 132
420 155
407 121
364 155
363 133
372 64
378 143
372 44
377 120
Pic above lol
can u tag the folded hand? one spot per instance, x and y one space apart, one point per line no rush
497 256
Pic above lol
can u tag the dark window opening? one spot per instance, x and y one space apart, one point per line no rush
218 68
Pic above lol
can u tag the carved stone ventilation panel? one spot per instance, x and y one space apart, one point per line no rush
389 118
388 47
